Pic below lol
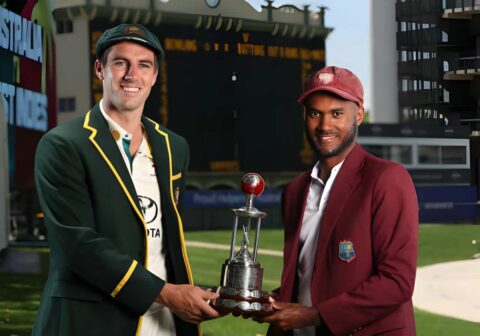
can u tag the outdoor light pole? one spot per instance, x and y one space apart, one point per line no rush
4 189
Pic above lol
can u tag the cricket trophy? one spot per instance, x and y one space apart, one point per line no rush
241 279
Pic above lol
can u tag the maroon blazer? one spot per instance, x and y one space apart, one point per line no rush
366 256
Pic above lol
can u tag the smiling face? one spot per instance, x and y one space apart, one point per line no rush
331 125
128 74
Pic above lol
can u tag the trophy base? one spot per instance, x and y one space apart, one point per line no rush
243 302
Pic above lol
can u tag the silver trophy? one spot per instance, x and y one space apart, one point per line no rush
241 280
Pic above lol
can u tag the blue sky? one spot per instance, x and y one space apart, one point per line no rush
349 44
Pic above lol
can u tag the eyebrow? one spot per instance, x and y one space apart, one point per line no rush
335 109
146 61
121 58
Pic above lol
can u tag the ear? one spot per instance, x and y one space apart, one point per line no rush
99 70
360 115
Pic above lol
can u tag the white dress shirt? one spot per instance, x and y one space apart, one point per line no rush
158 320
316 201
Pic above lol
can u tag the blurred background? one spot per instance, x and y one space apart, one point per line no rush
229 83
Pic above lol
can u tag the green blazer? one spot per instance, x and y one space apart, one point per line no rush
98 283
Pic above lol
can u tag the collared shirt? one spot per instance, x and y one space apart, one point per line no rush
316 201
158 320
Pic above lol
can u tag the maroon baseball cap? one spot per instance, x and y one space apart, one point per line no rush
339 81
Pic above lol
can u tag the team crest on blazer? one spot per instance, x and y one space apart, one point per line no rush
346 251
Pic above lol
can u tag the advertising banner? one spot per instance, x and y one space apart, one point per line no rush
27 81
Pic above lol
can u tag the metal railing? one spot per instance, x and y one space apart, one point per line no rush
465 63
417 8
464 4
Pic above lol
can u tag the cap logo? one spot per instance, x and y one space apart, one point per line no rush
132 30
325 78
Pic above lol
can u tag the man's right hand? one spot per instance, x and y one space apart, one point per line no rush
188 302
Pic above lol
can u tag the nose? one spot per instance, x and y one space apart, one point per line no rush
323 123
131 73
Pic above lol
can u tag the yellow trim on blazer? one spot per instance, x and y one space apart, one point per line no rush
125 278
109 163
119 179
139 326
176 177
180 224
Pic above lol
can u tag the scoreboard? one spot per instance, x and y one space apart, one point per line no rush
231 94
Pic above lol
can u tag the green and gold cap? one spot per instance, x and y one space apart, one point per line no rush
129 32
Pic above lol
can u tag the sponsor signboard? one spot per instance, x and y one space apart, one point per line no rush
27 82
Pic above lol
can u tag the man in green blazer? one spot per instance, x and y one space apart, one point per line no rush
110 186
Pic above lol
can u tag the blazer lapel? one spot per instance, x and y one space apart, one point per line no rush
302 203
345 182
103 141
294 208
163 159
159 147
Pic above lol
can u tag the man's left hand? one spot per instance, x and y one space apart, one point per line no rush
291 316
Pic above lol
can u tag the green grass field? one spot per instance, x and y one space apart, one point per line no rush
20 293
437 243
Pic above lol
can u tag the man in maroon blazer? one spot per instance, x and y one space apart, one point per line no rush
351 227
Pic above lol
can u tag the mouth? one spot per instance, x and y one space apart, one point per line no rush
130 89
325 137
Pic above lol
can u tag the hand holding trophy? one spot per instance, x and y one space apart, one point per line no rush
241 280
